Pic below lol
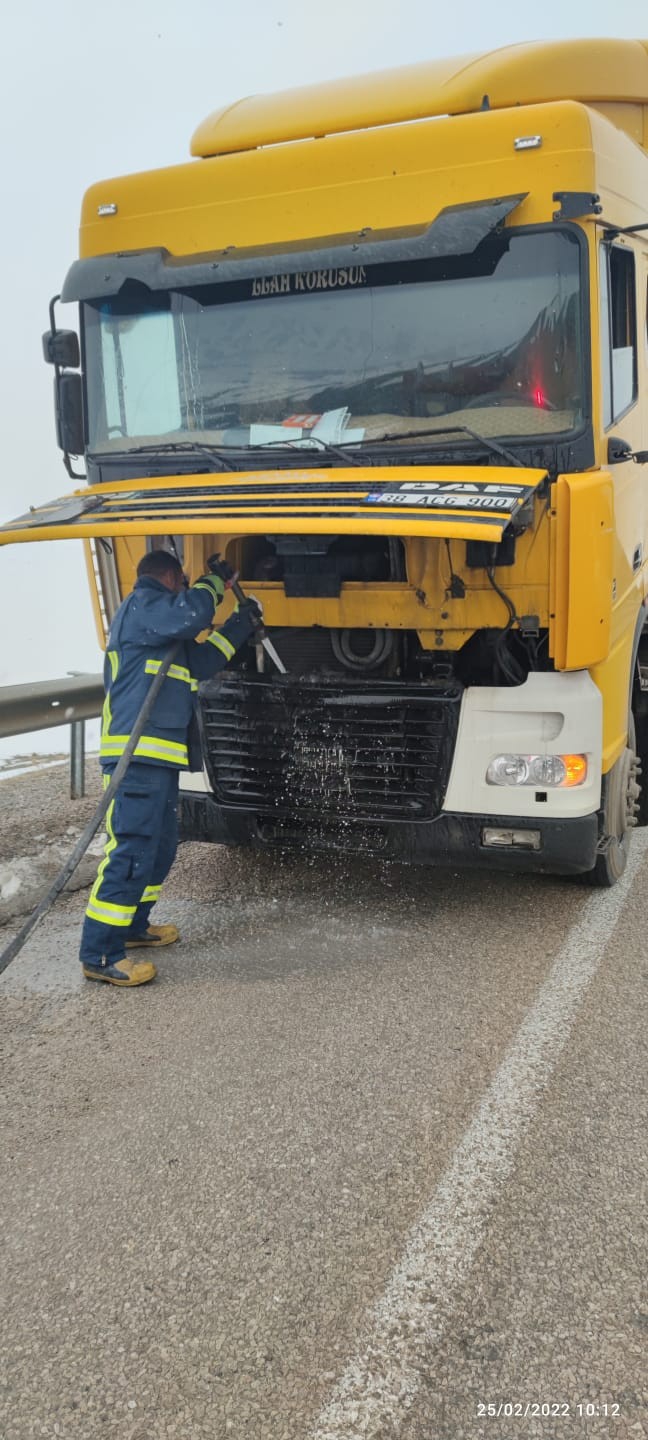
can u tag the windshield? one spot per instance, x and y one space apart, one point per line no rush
492 341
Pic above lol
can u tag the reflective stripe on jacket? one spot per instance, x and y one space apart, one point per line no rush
148 622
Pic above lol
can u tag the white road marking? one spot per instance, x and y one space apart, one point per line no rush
381 1381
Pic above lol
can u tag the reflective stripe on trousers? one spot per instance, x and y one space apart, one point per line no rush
142 839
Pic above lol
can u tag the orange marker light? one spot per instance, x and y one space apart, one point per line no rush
575 770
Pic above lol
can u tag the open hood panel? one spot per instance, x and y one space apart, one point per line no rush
450 502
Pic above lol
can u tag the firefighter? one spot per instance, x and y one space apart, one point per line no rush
141 822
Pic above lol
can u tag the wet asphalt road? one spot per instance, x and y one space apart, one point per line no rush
368 1157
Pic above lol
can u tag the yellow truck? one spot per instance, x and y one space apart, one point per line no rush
382 343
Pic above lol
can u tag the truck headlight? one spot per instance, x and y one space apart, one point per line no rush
544 771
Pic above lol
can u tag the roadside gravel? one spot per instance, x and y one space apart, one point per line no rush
36 809
39 825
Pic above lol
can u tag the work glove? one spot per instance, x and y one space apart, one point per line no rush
214 584
217 566
254 611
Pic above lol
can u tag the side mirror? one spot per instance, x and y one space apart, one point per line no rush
618 450
68 404
61 347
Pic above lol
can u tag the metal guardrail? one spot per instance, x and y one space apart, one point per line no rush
46 703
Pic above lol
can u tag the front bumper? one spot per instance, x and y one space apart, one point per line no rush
567 845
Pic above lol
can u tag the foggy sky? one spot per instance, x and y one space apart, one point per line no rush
89 91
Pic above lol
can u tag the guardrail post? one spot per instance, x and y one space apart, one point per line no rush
77 759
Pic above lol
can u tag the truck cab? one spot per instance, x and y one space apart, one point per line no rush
382 345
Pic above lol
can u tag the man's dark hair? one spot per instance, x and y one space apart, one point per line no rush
159 562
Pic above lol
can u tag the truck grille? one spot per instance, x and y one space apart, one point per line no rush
331 751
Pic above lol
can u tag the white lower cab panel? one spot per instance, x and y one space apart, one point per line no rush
552 714
196 780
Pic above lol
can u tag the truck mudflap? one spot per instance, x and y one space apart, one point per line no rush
559 847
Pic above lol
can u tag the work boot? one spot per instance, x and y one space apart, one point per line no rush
154 937
120 972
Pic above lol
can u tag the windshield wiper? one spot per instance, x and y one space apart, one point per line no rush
187 447
220 456
446 430
342 452
218 452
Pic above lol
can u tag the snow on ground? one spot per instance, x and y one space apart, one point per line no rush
25 879
27 765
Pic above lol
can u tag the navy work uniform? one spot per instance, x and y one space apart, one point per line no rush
141 822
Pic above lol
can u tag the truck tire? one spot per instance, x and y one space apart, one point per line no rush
617 816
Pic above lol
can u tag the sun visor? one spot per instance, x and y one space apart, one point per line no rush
463 503
457 230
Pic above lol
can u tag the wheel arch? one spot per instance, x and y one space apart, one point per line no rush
638 702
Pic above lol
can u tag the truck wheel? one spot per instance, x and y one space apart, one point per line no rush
618 815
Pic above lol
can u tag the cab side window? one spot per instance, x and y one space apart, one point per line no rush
646 333
618 331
